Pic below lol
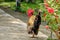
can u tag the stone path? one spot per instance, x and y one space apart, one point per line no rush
12 28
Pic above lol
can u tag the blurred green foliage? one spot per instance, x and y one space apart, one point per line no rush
2 1
24 6
9 0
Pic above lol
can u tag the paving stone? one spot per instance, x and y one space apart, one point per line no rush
12 28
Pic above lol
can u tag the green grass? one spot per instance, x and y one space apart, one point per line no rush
24 6
51 39
8 4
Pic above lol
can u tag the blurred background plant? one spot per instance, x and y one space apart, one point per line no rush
51 15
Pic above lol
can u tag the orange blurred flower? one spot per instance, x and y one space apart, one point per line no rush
44 14
57 1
